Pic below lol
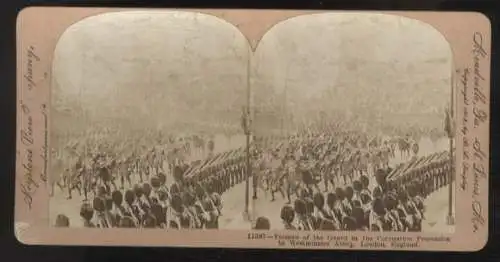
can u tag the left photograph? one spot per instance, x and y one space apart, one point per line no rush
140 102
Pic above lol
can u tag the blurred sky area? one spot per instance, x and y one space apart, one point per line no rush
168 67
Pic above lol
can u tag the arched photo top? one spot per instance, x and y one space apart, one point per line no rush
368 64
154 59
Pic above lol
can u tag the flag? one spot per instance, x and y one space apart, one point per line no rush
245 122
448 124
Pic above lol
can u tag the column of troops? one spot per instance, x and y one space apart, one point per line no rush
396 203
191 201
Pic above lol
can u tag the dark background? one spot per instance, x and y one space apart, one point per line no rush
11 250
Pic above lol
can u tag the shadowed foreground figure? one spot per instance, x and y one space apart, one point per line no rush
262 223
62 221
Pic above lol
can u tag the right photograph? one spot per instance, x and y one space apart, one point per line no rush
353 125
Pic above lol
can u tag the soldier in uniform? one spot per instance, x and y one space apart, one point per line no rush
227 176
301 214
378 219
380 178
106 178
332 211
308 178
288 216
189 201
323 212
72 174
433 174
329 172
118 211
429 181
124 171
87 214
102 220
393 218
212 222
443 173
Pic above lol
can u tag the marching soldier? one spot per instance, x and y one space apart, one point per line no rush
301 212
288 216
87 214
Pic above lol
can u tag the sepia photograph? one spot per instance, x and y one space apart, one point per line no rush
172 120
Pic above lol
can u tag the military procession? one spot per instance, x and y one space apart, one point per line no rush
328 179
361 191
